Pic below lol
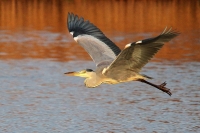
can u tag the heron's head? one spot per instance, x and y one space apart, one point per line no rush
83 73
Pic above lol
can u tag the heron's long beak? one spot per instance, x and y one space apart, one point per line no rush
72 73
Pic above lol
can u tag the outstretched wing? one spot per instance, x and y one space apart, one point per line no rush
137 54
98 46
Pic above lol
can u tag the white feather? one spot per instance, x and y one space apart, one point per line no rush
76 38
138 42
128 45
72 33
104 70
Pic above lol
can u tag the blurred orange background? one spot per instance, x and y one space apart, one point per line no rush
37 28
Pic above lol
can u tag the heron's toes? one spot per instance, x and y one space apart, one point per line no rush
163 84
164 89
168 92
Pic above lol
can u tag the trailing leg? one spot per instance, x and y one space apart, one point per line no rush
160 87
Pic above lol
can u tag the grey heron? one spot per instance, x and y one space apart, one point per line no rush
112 64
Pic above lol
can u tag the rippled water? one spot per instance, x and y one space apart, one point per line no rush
35 96
36 50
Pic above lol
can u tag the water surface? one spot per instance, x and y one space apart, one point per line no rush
37 97
36 50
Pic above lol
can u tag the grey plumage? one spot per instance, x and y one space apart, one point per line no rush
81 27
113 65
134 57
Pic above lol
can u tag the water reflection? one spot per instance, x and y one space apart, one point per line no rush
37 29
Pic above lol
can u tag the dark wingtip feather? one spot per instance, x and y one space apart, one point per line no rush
81 27
170 32
165 36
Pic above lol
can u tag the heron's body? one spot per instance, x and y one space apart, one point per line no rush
113 65
96 78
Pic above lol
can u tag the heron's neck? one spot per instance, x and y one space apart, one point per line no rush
92 81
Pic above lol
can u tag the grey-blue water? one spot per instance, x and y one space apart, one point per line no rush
36 97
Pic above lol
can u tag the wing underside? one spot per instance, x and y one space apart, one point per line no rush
98 46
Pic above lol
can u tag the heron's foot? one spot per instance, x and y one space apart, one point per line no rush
164 89
160 87
163 84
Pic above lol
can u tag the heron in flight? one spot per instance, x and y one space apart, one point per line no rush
112 64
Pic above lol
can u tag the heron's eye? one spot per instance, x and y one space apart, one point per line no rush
89 70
